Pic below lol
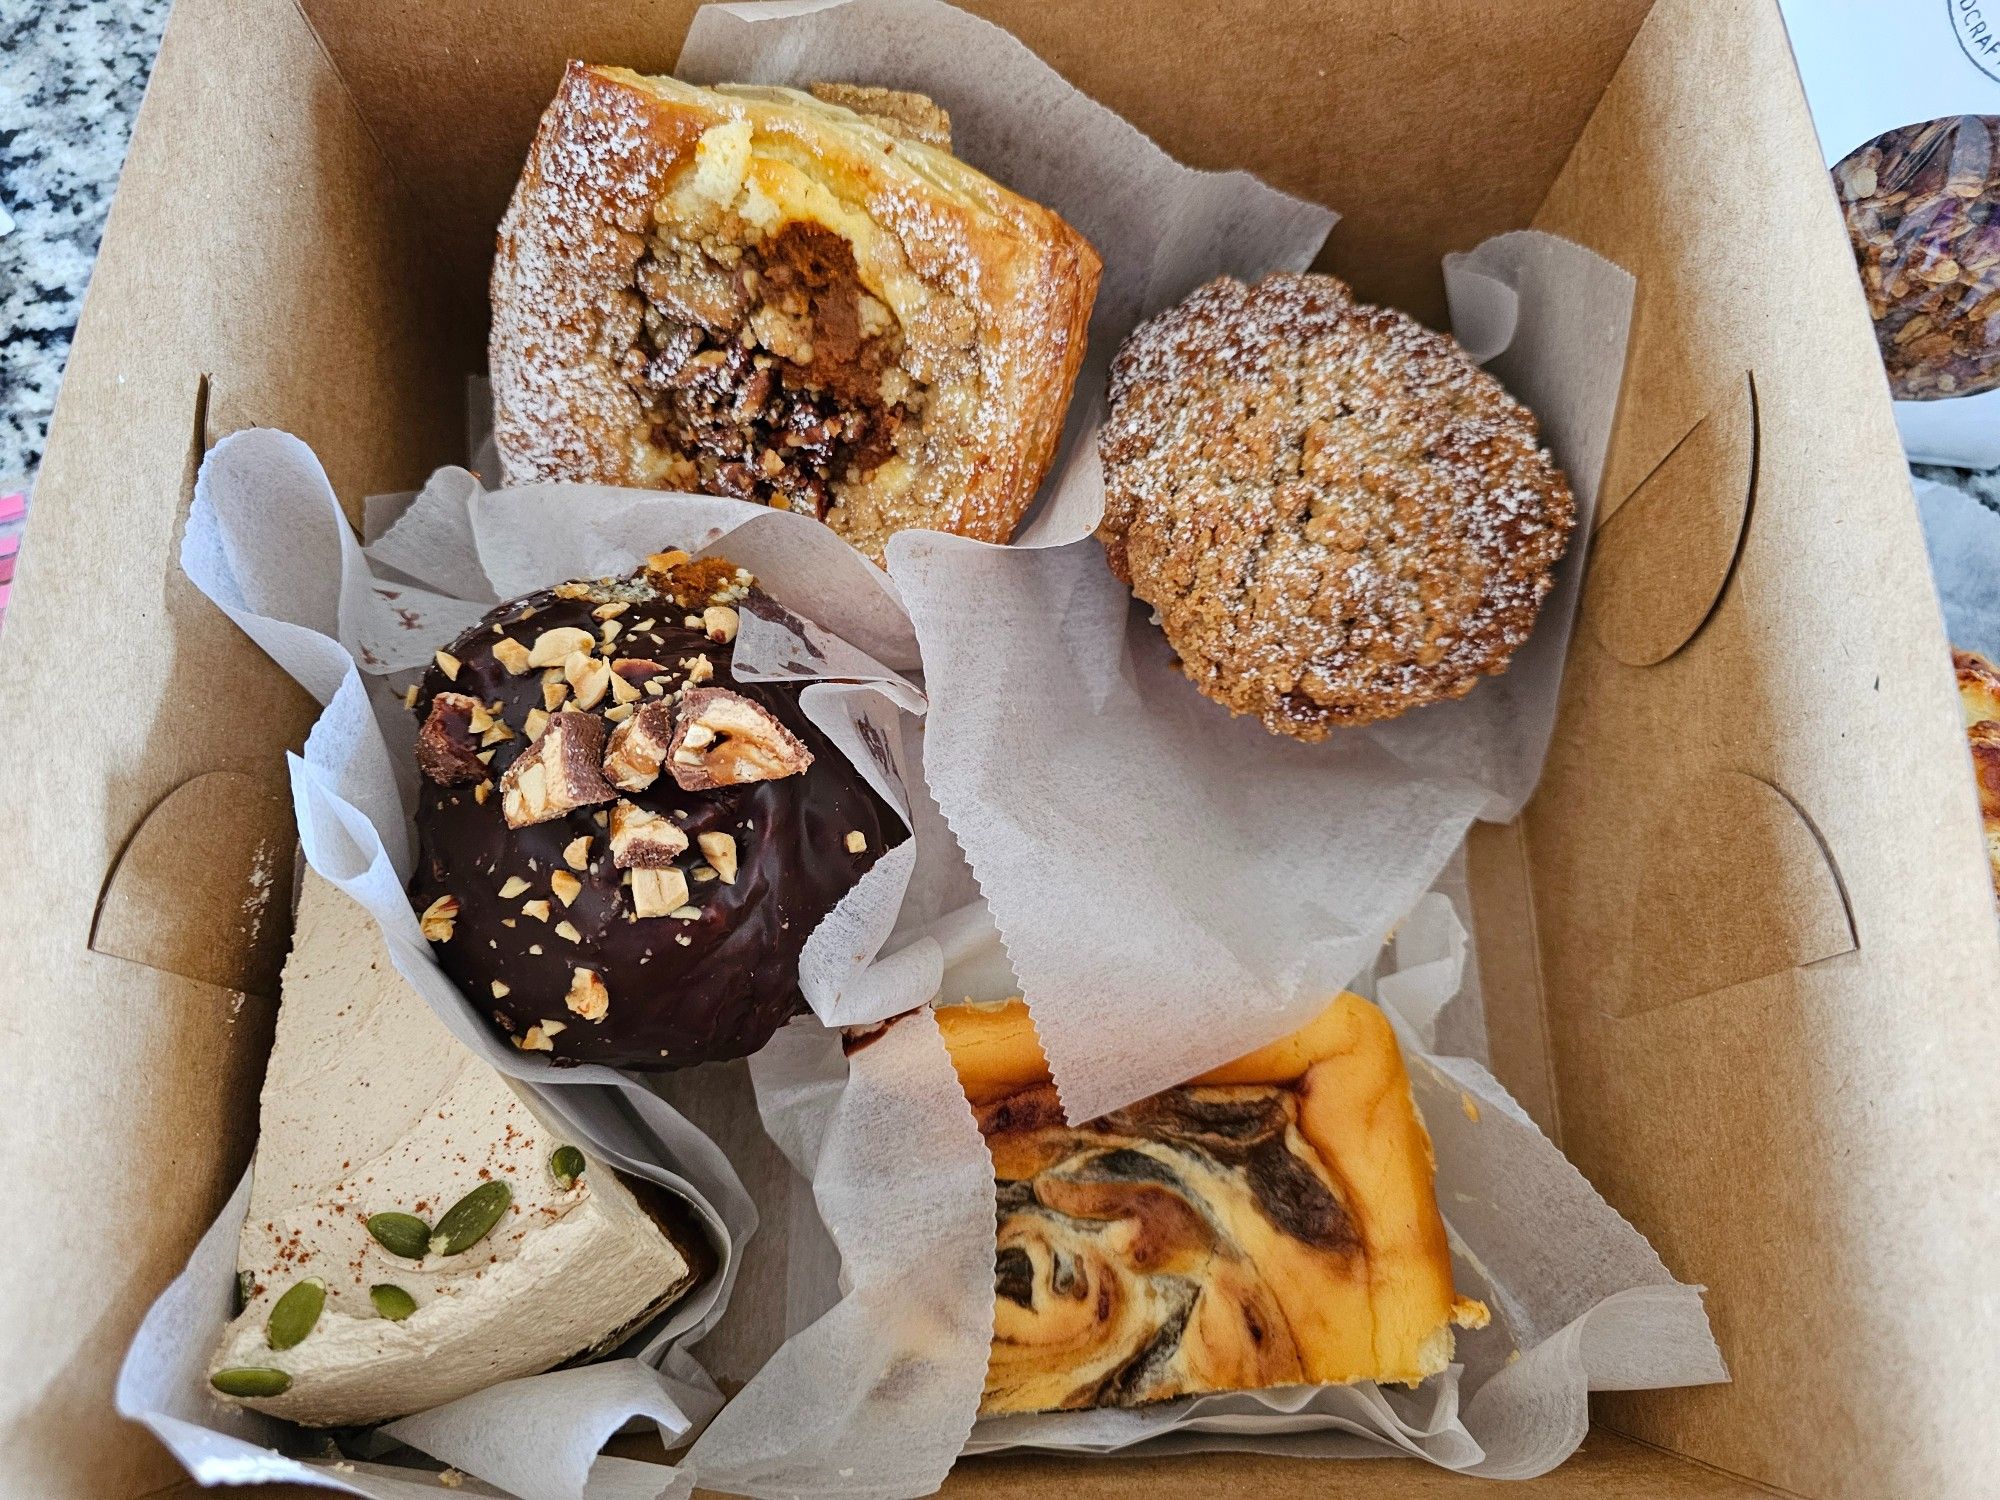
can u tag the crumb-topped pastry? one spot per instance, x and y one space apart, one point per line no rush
622 847
1337 515
1270 1223
759 293
416 1232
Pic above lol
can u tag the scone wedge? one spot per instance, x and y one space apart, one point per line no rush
1271 1223
758 293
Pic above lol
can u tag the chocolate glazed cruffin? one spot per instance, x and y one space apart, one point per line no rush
586 903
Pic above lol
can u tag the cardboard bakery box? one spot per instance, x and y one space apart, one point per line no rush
1739 952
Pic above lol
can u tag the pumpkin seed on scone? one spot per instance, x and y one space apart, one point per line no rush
1335 513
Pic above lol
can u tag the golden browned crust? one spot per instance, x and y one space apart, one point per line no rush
908 116
1336 513
1272 1222
886 337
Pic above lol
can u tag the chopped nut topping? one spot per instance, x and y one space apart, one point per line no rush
410 696
657 689
482 718
702 874
496 733
610 611
720 622
636 669
554 1028
512 655
721 851
699 669
566 886
642 839
575 588
623 693
638 746
448 664
685 913
566 930
587 995
539 910
658 893
725 739
576 853
481 792
537 1040
619 714
588 675
446 750
608 632
857 842
512 887
439 918
502 989
666 562
553 646
559 772
693 622
553 694
535 723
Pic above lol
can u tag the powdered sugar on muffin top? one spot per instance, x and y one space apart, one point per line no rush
1335 513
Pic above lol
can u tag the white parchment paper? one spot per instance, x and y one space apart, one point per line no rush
1159 868
266 541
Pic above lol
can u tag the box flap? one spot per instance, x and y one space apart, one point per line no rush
258 241
1765 926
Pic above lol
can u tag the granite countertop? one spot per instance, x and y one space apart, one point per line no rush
71 75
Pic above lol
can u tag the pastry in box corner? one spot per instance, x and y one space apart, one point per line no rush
1270 1223
771 295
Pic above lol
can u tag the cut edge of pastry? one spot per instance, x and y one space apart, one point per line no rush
1356 1110
572 373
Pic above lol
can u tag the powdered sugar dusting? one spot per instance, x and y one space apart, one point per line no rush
1336 514
992 294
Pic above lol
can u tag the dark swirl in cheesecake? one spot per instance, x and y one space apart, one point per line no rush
1271 1223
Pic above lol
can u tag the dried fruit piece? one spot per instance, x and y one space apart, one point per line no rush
296 1313
560 772
448 743
400 1234
725 739
587 995
639 747
250 1382
471 1219
643 840
391 1301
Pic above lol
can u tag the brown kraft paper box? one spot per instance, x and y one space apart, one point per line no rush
1739 952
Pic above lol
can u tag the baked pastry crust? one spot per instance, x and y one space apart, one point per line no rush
1979 694
1272 1222
752 291
1337 515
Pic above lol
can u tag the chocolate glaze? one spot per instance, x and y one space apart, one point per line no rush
734 980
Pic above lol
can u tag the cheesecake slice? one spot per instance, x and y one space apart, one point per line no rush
416 1231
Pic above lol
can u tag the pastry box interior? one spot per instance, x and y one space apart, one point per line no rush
1735 953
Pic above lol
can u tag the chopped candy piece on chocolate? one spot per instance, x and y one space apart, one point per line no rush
642 840
447 745
725 739
561 771
638 747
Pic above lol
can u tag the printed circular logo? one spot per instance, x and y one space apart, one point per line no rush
1976 24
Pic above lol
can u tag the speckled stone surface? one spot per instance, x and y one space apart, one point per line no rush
71 75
